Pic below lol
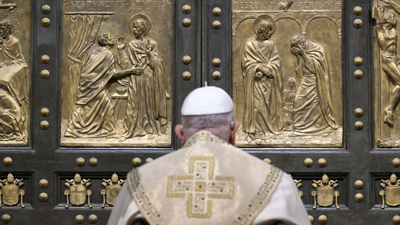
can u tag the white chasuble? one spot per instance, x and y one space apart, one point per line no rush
208 181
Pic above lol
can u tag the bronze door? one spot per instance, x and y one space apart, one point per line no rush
91 89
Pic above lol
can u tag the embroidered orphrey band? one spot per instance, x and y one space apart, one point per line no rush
142 200
254 207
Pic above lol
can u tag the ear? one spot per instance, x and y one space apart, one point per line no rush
179 133
232 133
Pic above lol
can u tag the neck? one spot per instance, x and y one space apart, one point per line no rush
260 38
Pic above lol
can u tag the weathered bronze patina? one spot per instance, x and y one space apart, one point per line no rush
286 70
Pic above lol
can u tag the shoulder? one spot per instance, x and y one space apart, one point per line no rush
13 40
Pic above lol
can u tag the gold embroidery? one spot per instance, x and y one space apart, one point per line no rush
204 136
199 187
259 201
142 200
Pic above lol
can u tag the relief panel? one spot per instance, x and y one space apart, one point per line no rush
15 70
387 73
116 73
287 73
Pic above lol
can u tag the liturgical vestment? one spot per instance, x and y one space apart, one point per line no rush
209 181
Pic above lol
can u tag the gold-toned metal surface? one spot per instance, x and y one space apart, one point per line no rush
149 160
44 112
267 160
359 184
113 187
43 183
79 219
93 161
391 194
358 112
322 219
46 9
311 218
10 191
358 74
216 75
217 11
186 59
77 192
186 22
186 75
136 162
396 219
270 47
298 184
45 74
216 62
186 9
7 161
396 162
80 161
358 61
325 195
216 24
46 22
6 218
357 10
308 162
321 162
131 51
44 125
92 219
357 23
43 197
359 197
358 125
45 59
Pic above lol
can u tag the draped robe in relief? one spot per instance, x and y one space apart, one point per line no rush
94 113
16 83
147 104
210 182
263 99
313 113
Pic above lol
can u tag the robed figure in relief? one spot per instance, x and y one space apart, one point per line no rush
313 113
146 112
93 115
261 66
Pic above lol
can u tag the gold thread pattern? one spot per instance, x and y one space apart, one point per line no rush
259 201
200 187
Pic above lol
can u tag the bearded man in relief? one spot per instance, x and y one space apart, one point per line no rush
263 91
146 112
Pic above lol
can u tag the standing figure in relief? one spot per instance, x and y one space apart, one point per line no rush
289 96
14 90
146 111
387 39
93 115
261 66
313 113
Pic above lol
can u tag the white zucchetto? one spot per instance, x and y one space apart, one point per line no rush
206 101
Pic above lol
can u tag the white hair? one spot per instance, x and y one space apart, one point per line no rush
221 124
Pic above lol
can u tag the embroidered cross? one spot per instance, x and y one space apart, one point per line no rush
200 187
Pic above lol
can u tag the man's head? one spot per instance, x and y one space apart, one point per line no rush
292 82
264 30
6 27
208 108
390 17
105 39
297 42
139 27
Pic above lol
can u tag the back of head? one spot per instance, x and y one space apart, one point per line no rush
207 108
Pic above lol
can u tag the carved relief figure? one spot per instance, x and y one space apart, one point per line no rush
14 89
77 191
325 193
387 40
113 187
10 191
93 115
146 112
289 96
261 66
313 113
391 193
